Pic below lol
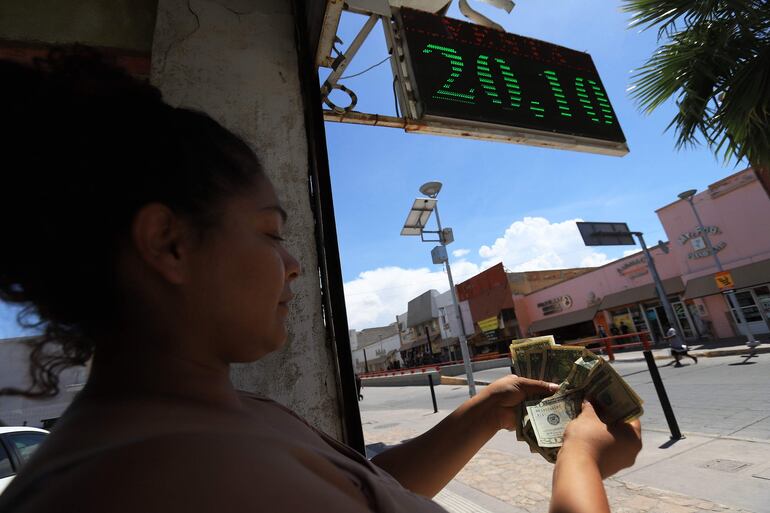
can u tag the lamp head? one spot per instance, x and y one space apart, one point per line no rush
687 195
431 189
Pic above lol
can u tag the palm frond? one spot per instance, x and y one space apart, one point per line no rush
715 64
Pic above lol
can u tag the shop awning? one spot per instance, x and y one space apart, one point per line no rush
744 276
642 293
560 321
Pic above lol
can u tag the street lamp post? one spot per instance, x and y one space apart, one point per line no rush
618 234
415 224
732 299
661 291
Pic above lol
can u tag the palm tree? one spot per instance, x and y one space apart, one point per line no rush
714 60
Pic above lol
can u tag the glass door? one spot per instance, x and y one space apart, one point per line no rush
654 322
683 319
748 305
763 299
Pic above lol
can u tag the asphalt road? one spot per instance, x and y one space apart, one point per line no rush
718 397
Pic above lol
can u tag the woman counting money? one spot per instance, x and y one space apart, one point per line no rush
147 239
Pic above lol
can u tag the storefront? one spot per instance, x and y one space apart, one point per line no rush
752 292
621 296
492 311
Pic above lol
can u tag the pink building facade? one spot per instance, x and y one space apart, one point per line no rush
620 297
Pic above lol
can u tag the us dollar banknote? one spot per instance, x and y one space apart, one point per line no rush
549 417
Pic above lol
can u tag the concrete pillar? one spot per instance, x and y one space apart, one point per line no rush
237 61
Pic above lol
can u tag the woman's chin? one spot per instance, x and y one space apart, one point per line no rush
264 347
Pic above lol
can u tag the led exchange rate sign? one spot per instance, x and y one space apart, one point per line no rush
462 71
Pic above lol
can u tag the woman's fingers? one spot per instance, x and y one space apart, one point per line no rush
535 387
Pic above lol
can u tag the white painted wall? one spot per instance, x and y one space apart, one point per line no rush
377 350
449 323
237 61
14 372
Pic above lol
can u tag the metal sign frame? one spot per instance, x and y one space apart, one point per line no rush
411 117
605 234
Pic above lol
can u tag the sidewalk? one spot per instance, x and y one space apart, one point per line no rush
696 474
732 347
728 347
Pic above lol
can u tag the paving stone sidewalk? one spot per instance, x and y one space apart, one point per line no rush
524 480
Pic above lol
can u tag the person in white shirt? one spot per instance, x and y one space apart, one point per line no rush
678 349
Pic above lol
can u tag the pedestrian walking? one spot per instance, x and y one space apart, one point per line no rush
358 387
678 349
147 239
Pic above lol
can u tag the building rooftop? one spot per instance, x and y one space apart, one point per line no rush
369 336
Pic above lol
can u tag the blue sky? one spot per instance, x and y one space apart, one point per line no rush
508 203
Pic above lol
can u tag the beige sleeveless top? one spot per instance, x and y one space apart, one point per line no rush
100 428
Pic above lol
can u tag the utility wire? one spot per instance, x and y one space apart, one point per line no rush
367 69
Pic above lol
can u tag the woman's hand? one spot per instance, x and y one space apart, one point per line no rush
613 448
506 393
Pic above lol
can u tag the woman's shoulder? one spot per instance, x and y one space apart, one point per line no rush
192 472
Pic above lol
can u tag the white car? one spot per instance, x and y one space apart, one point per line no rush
16 446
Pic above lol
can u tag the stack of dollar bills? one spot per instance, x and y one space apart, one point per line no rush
581 375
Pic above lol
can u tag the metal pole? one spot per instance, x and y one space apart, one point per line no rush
461 335
659 286
654 373
432 393
366 363
662 396
731 298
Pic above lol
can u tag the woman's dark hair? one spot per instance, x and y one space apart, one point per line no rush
83 146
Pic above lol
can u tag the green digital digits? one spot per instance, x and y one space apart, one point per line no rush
445 91
589 94
485 78
511 84
604 111
558 93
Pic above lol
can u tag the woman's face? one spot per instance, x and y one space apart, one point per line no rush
242 275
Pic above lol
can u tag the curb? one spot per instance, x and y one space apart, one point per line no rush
451 380
715 353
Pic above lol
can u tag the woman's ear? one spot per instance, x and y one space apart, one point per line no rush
162 240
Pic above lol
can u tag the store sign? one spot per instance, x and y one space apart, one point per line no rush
634 268
724 280
698 242
489 324
555 305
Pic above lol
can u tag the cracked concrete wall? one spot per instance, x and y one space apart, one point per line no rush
237 61
125 24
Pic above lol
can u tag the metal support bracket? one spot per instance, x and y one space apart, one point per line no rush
341 63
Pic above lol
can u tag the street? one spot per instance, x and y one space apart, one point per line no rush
722 464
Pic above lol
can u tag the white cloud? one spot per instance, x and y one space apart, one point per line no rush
535 243
377 296
629 252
